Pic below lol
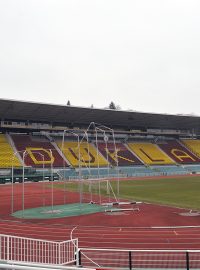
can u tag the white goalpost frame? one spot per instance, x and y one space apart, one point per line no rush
93 190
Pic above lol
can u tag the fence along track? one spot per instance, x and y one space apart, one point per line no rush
139 259
22 249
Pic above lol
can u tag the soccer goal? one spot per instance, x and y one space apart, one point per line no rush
97 191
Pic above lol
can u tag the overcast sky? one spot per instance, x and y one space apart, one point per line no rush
142 54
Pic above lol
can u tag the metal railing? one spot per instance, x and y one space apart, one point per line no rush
16 266
139 259
22 249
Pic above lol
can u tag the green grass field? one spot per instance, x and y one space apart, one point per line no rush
181 192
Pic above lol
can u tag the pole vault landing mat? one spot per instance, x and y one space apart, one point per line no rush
59 211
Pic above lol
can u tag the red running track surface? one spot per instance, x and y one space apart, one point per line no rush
153 227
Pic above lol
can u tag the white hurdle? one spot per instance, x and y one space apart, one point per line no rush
122 210
120 203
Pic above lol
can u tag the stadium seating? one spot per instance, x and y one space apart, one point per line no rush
37 149
130 158
150 153
178 152
89 156
118 153
7 156
193 146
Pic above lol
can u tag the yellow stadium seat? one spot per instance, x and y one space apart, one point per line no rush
7 157
193 146
150 153
89 156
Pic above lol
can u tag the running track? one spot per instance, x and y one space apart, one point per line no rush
149 228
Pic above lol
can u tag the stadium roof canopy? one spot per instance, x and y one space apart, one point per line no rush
81 117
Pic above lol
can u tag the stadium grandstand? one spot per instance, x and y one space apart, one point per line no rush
41 136
55 143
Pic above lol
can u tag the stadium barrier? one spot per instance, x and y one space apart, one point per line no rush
15 266
96 177
139 259
22 249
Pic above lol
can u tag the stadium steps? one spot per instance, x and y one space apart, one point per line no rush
14 148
